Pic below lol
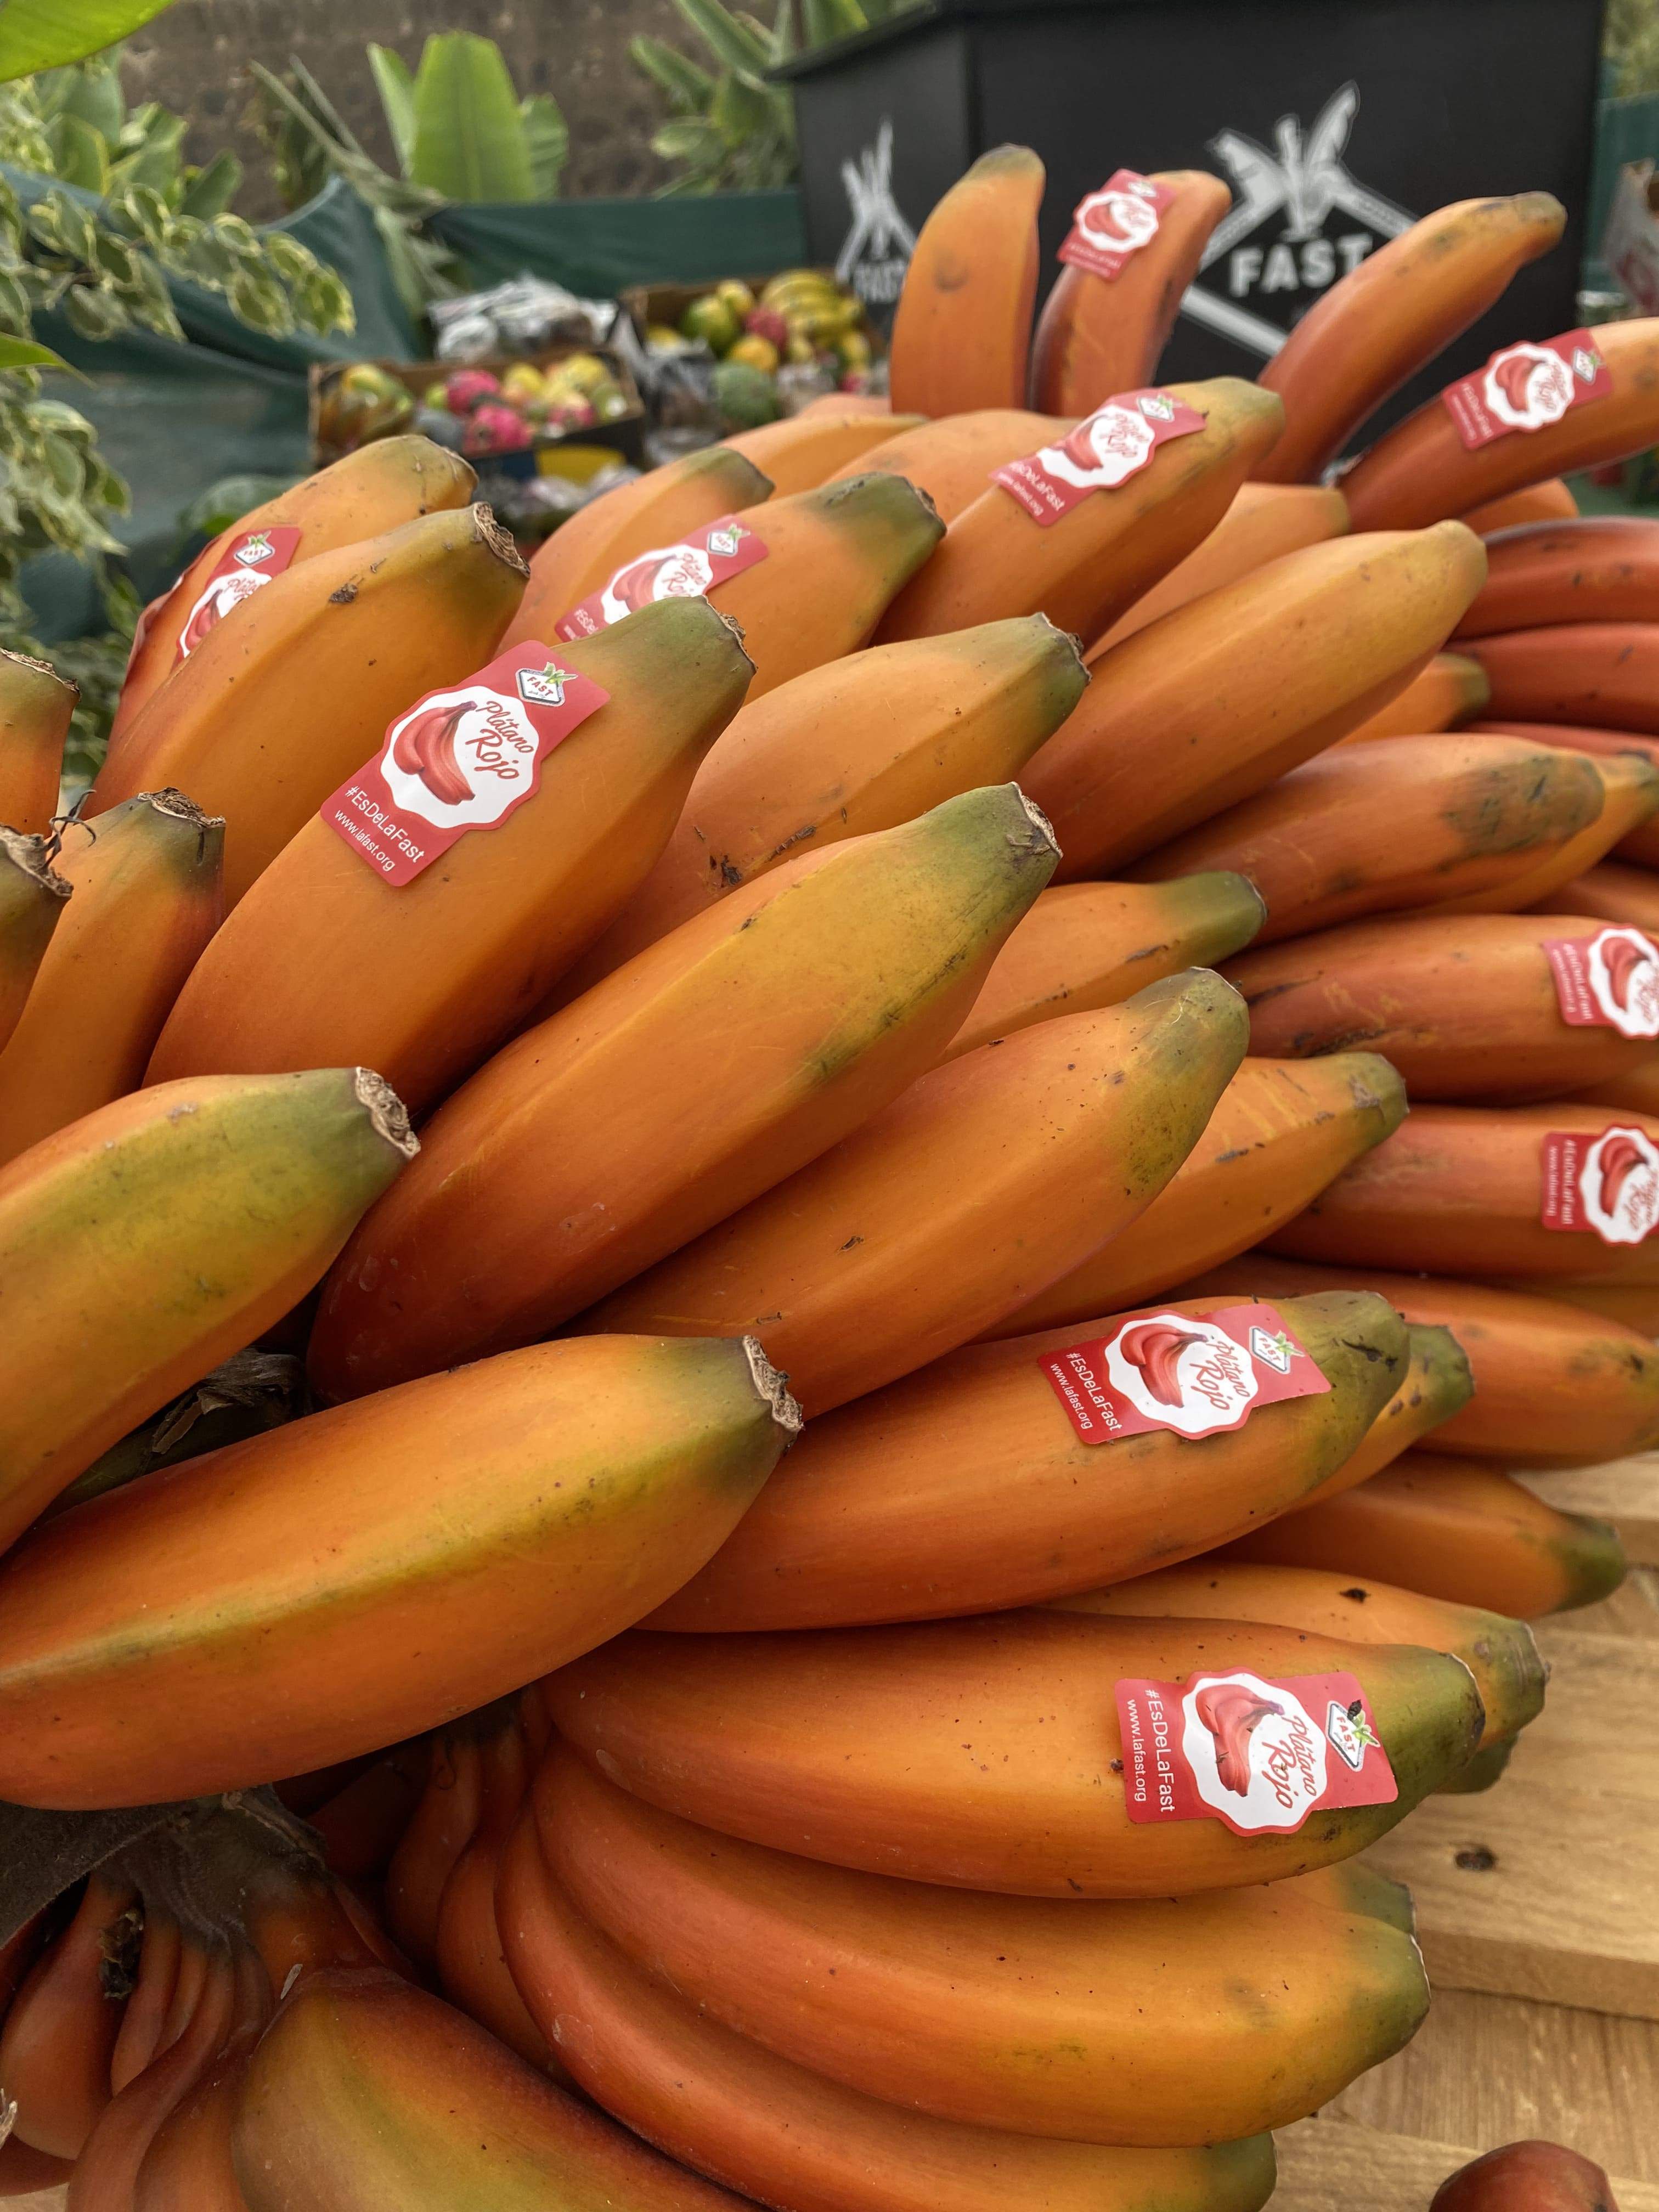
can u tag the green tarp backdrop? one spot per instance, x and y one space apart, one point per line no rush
175 418
595 247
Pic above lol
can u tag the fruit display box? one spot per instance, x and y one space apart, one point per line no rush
654 304
624 435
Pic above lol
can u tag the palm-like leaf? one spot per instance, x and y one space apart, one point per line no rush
547 138
733 44
689 88
469 141
395 82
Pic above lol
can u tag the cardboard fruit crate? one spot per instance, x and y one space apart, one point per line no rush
624 436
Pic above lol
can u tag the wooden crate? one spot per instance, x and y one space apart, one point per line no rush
626 435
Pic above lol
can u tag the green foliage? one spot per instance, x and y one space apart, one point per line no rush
469 142
458 130
728 128
43 34
1629 41
100 255
308 141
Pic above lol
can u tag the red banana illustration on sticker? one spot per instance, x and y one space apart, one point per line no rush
425 747
1155 1347
1621 956
1514 375
636 586
1620 1157
1233 1712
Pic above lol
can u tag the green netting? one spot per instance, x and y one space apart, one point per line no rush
595 247
173 419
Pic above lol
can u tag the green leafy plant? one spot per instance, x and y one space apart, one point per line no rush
728 127
115 213
1630 42
458 129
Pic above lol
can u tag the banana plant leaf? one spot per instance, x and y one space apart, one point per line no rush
469 142
733 44
823 20
43 34
689 88
548 140
395 82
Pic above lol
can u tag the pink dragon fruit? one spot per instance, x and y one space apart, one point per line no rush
493 430
467 387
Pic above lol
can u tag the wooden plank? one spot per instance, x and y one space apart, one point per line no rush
1545 1888
1333 2165
1595 1732
1632 1610
1535 1891
1623 1490
1485 2070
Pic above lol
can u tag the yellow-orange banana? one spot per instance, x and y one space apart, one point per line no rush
862 744
657 510
1280 1130
383 485
1083 570
1392 314
157 1237
1201 709
325 962
1446 691
1500 1653
1264 522
273 711
32 897
1004 1505
980 1754
1421 469
1084 946
1399 823
962 330
572 1159
355 1577
1097 337
35 706
989 1180
147 899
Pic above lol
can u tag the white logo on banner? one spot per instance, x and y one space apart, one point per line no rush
876 250
1252 285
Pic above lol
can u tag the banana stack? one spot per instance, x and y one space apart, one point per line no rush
772 1291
